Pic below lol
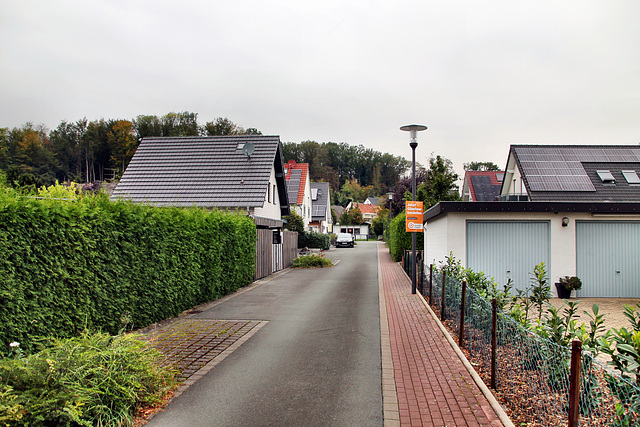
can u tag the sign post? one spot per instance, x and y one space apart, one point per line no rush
413 224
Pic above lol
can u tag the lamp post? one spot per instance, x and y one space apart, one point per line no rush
413 129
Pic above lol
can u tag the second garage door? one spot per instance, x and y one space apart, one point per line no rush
608 259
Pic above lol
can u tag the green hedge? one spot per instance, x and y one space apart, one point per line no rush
311 239
98 265
399 239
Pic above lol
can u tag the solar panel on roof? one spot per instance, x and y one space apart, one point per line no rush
319 210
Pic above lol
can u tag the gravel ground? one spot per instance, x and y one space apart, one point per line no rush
612 308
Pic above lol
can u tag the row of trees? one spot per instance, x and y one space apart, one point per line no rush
364 171
99 150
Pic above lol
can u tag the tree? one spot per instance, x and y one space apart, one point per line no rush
402 191
378 223
340 163
220 126
123 144
356 216
439 184
147 126
223 126
180 124
481 166
354 191
352 216
66 142
27 156
294 222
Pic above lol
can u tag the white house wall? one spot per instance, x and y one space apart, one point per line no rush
436 242
271 208
447 233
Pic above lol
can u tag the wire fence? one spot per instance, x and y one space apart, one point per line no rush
532 375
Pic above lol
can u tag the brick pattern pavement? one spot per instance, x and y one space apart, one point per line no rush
191 344
433 387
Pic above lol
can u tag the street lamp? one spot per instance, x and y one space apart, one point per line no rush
413 129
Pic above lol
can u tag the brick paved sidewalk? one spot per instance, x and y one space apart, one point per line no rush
433 386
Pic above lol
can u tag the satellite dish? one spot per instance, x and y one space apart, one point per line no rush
248 149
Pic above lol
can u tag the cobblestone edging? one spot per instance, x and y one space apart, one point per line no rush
195 346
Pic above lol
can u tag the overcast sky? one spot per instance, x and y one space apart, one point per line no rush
480 74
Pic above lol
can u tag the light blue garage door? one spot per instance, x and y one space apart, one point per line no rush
608 259
508 249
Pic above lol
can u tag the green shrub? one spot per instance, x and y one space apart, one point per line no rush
399 239
311 239
67 266
91 380
309 261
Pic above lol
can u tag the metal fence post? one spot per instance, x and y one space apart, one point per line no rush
422 275
444 281
430 283
462 312
494 321
574 383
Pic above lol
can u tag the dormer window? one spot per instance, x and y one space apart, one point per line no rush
631 177
606 177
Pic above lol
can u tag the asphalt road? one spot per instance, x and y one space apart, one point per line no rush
316 363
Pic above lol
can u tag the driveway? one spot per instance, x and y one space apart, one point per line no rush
315 361
612 308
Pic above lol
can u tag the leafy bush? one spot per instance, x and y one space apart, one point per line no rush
309 261
311 239
67 266
91 380
399 239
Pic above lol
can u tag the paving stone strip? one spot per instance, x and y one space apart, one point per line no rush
192 344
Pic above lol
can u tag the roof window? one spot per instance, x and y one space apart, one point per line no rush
631 177
606 177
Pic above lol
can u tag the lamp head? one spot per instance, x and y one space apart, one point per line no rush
413 129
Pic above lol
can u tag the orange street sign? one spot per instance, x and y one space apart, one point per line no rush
413 219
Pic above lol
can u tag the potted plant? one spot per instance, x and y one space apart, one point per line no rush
567 284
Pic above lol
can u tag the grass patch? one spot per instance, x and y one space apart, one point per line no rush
95 379
312 261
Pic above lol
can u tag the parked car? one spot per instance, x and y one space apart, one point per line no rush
344 239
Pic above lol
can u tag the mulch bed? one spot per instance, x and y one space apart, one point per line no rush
534 392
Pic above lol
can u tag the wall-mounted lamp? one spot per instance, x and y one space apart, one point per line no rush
565 221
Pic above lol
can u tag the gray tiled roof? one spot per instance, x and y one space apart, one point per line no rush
202 171
568 173
320 204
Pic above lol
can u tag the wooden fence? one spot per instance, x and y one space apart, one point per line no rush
275 250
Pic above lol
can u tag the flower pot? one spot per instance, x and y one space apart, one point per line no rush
563 292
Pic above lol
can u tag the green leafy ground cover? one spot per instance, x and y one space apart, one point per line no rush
95 379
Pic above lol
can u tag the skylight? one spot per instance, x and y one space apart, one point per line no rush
606 177
631 177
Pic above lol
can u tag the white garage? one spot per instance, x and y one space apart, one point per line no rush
598 242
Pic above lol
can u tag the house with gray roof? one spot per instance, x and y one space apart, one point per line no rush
321 220
240 173
244 173
574 207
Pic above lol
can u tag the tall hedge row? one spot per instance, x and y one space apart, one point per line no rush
399 239
67 266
